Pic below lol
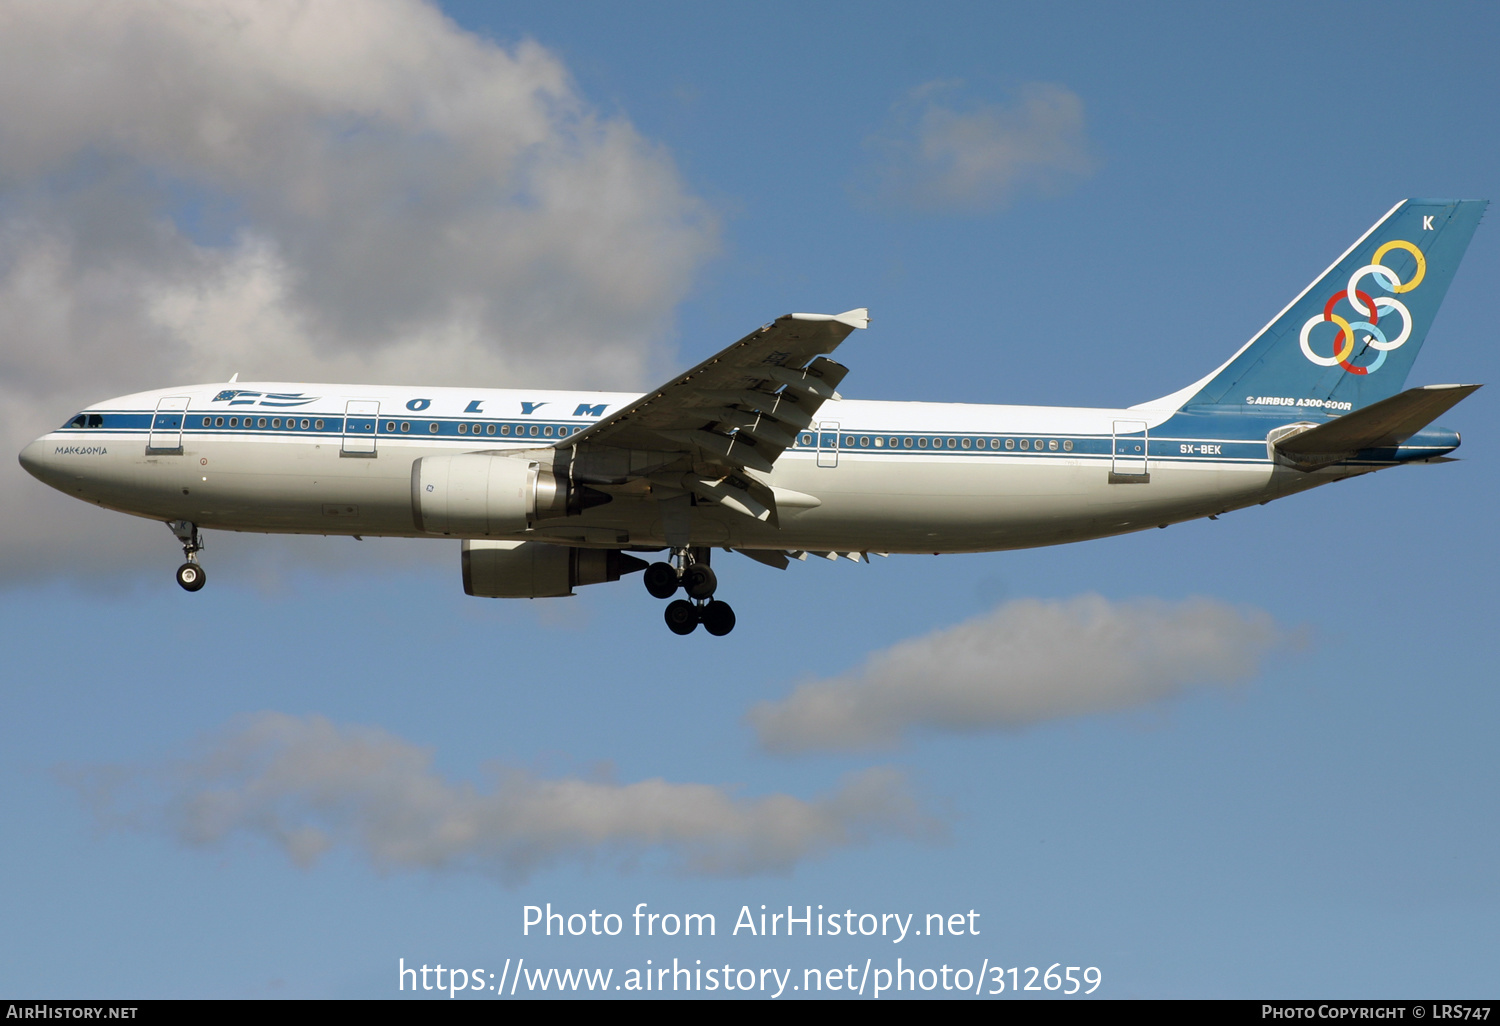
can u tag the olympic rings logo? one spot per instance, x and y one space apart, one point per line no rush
1372 310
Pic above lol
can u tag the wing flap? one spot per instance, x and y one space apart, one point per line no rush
733 414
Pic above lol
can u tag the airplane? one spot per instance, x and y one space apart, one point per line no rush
755 451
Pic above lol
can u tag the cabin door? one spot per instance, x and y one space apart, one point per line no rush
166 427
1130 449
828 443
360 417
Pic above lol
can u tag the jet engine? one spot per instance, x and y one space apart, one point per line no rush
479 494
515 569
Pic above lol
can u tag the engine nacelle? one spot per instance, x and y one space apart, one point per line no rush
477 494
515 569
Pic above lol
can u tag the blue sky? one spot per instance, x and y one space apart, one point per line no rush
1326 828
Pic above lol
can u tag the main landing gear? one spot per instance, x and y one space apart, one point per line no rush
694 576
190 575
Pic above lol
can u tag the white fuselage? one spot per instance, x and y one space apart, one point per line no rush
869 476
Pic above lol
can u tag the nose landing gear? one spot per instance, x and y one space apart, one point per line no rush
190 575
693 575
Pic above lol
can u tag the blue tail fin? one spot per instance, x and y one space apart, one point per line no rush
1350 338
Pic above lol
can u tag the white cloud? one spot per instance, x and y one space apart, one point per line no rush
309 785
307 191
1023 663
937 155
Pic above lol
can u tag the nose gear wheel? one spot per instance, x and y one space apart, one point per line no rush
189 575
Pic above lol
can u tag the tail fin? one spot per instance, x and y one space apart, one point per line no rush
1350 338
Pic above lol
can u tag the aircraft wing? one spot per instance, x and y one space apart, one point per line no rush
726 419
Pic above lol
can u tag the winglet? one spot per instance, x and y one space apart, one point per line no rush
859 318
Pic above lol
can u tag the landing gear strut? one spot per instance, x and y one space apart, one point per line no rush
190 575
693 575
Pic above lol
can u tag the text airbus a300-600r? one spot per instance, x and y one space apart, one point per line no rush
754 451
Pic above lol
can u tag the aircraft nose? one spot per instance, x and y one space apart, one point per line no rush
35 459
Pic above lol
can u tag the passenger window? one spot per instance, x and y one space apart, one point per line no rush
505 429
490 430
276 422
906 443
317 424
304 423
562 432
994 443
921 443
547 430
807 439
218 422
1068 444
1025 444
1052 445
432 428
966 443
207 421
261 422
463 429
1038 443
405 425
864 441
879 442
533 431
476 428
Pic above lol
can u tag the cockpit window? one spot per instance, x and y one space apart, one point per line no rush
77 421
96 420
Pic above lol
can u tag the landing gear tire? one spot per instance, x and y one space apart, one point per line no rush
699 581
661 580
191 577
682 617
717 618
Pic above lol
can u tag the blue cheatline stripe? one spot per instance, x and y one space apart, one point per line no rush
1176 440
331 426
1036 446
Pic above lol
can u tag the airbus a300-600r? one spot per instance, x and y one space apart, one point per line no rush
754 451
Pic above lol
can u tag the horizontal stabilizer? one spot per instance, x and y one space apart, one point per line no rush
1382 425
